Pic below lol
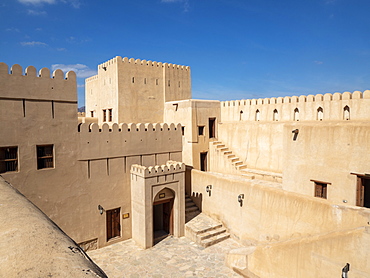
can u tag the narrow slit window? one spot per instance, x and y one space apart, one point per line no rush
92 114
257 116
346 113
320 114
133 79
45 156
201 130
275 116
296 114
104 115
110 114
8 159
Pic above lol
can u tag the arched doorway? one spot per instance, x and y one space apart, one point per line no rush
163 215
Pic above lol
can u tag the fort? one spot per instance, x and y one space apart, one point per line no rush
286 177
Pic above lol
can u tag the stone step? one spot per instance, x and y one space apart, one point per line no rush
190 209
227 152
249 176
230 156
209 228
189 204
213 240
243 166
217 142
234 159
220 145
236 163
211 233
224 149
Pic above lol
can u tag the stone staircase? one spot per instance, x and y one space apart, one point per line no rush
191 210
205 231
242 169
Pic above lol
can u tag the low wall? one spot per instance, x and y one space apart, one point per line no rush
314 257
270 214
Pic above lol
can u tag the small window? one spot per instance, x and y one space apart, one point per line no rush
200 130
275 116
104 115
346 113
257 116
241 115
179 84
144 80
45 157
8 159
92 114
296 114
156 81
320 114
169 83
182 130
110 115
321 189
212 127
133 79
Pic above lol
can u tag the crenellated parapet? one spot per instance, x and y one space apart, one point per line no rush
171 167
139 62
41 85
117 140
337 106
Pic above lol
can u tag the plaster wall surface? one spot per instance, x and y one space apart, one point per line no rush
259 145
136 90
327 152
307 108
193 114
317 256
269 214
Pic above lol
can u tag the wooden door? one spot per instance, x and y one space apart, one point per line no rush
168 217
113 223
360 192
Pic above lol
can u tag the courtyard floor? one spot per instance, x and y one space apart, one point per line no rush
172 257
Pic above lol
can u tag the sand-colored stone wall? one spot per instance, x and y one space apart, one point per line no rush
192 114
136 90
317 256
302 108
259 145
327 152
269 214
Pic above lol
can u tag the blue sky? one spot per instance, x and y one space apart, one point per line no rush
237 49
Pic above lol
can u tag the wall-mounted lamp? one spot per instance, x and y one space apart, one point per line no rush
345 271
295 132
101 209
240 199
345 201
208 189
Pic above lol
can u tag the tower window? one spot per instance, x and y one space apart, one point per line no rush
201 130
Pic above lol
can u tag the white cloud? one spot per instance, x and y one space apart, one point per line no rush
61 49
33 12
80 85
186 3
12 29
82 71
33 43
318 62
36 2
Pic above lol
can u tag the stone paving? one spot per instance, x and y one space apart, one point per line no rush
172 257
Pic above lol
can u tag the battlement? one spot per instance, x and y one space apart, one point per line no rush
141 62
30 71
32 85
123 127
295 108
118 140
171 167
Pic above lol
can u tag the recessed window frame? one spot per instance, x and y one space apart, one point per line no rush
321 189
45 156
8 159
201 129
104 115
